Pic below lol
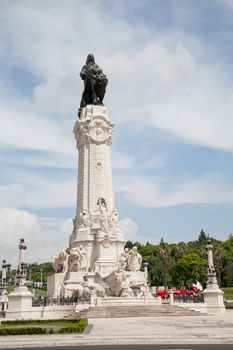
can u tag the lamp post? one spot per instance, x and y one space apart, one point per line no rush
5 267
164 253
218 261
41 276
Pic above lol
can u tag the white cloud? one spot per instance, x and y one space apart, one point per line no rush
12 196
51 193
130 231
152 191
166 80
20 128
43 237
155 79
122 160
200 114
42 160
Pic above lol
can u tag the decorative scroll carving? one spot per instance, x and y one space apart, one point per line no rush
93 130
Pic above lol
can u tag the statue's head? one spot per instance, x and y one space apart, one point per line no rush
90 58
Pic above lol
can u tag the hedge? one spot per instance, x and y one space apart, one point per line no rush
22 331
36 322
71 326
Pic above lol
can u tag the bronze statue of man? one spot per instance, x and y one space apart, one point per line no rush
95 82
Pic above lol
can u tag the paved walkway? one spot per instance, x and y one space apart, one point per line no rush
146 330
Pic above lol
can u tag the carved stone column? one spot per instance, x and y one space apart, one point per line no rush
3 287
213 295
96 221
20 300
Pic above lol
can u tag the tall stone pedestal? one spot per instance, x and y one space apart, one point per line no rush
20 300
55 283
20 303
96 222
213 296
3 298
95 261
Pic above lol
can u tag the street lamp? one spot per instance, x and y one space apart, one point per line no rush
41 276
218 263
164 253
3 287
5 267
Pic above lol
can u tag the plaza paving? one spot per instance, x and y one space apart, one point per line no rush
140 330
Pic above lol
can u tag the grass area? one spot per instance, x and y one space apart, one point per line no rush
39 292
59 326
228 293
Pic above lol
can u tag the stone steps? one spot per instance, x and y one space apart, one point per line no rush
136 311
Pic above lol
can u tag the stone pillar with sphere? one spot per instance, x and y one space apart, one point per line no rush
213 295
20 300
3 287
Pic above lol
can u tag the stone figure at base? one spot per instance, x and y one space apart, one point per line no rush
122 263
113 221
95 82
73 260
77 260
86 219
104 219
135 260
60 263
83 259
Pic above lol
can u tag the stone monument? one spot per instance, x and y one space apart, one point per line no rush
94 261
20 300
3 287
212 294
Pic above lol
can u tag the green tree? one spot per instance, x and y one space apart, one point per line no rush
187 270
202 239
129 244
163 253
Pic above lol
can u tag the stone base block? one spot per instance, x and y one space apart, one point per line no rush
19 303
54 284
43 313
214 300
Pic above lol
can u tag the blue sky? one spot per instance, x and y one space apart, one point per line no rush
169 65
